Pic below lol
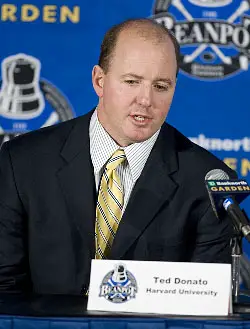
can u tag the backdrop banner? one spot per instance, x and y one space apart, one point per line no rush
48 51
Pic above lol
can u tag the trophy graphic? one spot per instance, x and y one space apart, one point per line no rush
119 275
20 95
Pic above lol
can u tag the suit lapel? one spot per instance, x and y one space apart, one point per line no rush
77 180
154 188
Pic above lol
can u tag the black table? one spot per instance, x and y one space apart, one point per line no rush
61 312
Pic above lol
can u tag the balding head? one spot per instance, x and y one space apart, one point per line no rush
135 80
145 29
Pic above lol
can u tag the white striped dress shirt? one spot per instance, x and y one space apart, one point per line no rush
102 146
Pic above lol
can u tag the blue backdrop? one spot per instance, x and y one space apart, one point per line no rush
47 54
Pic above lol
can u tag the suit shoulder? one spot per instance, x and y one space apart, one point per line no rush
196 159
47 138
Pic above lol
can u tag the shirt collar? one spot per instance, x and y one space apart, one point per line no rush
102 146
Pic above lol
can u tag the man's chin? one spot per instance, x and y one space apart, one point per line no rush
139 138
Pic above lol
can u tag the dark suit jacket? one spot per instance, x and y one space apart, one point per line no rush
47 209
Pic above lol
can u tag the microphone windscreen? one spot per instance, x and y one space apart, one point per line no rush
216 174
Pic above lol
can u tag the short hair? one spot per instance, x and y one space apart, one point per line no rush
111 37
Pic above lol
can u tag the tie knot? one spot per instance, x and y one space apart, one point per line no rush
117 158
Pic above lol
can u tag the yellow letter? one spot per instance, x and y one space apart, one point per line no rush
73 16
231 162
29 13
49 13
215 189
8 13
245 167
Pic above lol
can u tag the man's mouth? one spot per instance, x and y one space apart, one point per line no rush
139 118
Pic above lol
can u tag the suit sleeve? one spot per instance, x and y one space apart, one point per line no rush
213 239
13 230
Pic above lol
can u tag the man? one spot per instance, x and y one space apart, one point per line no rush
57 209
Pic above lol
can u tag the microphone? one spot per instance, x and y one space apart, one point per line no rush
224 194
238 216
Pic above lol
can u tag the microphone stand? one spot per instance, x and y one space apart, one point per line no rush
236 244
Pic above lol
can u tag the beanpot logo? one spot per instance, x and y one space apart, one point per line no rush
118 285
214 35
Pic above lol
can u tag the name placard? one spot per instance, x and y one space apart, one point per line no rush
160 287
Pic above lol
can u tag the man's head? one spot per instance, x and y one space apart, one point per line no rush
135 79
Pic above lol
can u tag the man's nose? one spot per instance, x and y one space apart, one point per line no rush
144 96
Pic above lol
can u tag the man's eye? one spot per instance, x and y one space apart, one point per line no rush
131 82
161 87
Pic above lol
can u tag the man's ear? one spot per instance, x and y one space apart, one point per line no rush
98 80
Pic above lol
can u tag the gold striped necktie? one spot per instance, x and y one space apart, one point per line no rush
109 206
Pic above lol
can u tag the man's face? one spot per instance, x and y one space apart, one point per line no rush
136 93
